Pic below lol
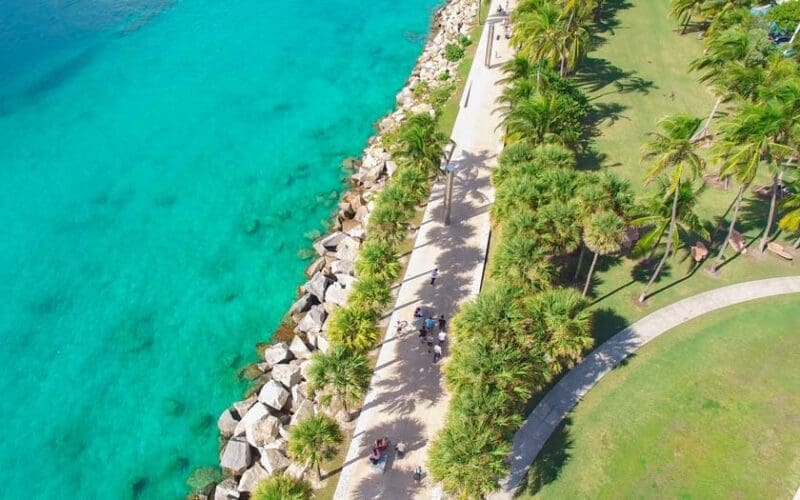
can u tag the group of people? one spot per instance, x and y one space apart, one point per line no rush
428 334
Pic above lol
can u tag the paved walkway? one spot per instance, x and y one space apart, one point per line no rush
547 415
406 400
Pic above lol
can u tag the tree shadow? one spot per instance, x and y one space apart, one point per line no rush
548 464
606 323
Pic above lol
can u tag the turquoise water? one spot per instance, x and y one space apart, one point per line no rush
139 141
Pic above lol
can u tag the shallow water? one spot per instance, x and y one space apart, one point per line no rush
162 163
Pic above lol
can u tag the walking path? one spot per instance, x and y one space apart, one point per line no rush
547 415
406 400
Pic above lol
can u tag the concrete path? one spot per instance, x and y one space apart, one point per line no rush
547 415
406 400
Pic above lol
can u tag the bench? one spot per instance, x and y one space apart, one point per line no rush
778 249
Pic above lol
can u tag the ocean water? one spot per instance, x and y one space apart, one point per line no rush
162 164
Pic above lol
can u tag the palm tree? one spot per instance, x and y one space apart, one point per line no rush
523 262
539 119
371 292
282 487
421 144
353 327
674 154
755 134
539 34
576 36
558 226
791 220
313 440
494 313
559 322
377 258
340 372
682 10
603 236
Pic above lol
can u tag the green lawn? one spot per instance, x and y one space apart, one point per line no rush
709 410
637 75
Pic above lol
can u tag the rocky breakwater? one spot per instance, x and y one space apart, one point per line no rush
255 431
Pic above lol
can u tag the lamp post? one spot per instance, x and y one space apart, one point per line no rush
448 185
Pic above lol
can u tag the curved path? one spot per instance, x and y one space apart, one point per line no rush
547 415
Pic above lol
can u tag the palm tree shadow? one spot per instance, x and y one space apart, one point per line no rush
693 269
550 461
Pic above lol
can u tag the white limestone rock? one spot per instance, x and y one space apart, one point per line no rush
274 395
227 490
277 353
251 478
305 410
337 295
226 423
241 407
323 344
299 348
236 456
254 414
273 461
340 266
262 431
302 304
317 284
288 375
313 320
348 249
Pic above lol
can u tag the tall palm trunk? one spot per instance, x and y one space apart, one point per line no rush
563 69
776 181
580 261
797 243
704 130
686 23
591 271
672 223
319 472
721 253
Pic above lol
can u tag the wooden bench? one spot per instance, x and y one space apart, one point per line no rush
778 249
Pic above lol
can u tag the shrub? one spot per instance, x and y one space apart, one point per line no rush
493 314
786 15
443 76
341 373
440 95
378 259
353 327
561 326
371 292
313 440
282 487
421 89
453 52
465 41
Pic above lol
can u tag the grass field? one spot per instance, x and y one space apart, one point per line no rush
637 74
709 410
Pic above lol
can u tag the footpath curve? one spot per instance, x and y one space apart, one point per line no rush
551 410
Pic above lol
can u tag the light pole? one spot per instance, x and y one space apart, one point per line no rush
448 185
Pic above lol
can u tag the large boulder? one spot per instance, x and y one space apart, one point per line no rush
241 407
302 304
288 375
305 366
296 471
236 456
345 280
317 285
323 344
340 266
305 410
313 320
315 267
273 460
226 423
299 348
329 242
277 353
348 249
263 431
274 395
253 415
337 295
227 490
251 478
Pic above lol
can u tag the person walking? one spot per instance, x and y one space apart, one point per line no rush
442 337
434 275
437 353
430 324
430 341
442 323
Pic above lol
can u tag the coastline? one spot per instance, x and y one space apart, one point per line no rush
254 431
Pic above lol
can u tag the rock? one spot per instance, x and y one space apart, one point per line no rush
288 375
298 397
274 461
343 267
302 304
299 348
315 267
313 320
348 249
328 242
256 413
337 294
296 471
226 423
317 284
362 214
358 232
241 407
422 107
305 366
323 344
345 280
305 410
252 477
263 431
284 432
226 490
279 444
274 395
236 457
277 353
391 167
